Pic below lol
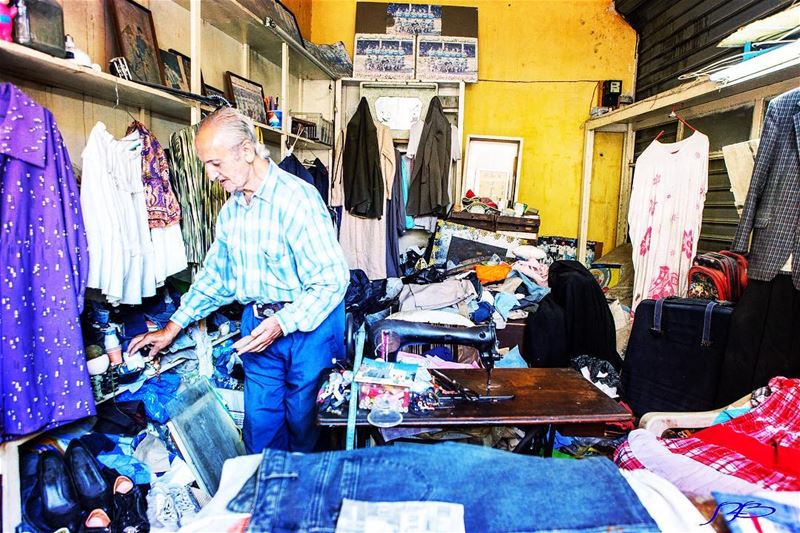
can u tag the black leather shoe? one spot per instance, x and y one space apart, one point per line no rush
59 504
87 476
130 507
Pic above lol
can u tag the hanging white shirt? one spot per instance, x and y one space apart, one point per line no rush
126 270
666 211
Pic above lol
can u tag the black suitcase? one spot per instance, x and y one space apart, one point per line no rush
675 353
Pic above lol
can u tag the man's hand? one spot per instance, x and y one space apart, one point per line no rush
157 340
261 337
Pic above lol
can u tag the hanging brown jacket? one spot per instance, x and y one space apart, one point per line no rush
362 177
428 192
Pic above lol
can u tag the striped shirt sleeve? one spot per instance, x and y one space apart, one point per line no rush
213 286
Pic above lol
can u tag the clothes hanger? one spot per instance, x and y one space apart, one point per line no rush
673 114
290 151
116 103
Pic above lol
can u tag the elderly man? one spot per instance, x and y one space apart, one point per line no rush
275 252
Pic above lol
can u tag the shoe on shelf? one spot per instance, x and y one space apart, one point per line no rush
87 476
98 521
60 507
130 507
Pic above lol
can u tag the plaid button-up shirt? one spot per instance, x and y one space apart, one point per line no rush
281 247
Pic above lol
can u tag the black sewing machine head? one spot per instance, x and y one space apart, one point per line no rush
397 334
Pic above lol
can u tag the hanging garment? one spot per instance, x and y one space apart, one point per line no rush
772 209
361 166
666 210
740 159
163 209
200 198
763 341
293 166
395 220
430 177
588 322
364 239
115 214
321 180
43 377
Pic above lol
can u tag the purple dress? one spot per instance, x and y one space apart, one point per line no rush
43 264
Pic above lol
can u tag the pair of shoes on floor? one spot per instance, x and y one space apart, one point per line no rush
171 506
73 485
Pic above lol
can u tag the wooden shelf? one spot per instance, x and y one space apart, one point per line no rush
29 64
273 136
233 19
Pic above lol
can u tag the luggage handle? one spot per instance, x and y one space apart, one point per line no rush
659 313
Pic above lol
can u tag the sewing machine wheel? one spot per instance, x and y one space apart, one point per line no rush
349 337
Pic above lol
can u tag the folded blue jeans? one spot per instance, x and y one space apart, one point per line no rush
500 491
281 384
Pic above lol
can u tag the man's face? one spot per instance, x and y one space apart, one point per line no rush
225 162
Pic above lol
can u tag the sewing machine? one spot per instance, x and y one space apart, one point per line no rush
386 337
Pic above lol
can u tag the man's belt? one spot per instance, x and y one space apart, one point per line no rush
266 310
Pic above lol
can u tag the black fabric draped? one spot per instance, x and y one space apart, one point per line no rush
428 192
361 176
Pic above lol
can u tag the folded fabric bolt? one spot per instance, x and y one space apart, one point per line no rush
436 295
304 492
492 273
482 313
526 251
504 303
535 270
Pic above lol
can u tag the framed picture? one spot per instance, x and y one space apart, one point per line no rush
447 58
247 96
492 168
383 57
136 38
173 72
186 66
413 19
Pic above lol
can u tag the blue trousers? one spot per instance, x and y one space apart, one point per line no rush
280 384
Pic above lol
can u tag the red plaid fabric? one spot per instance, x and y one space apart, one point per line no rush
776 422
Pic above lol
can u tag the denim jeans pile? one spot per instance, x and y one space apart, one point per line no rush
500 491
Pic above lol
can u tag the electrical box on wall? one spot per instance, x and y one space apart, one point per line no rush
612 89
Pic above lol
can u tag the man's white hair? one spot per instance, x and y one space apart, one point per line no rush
236 127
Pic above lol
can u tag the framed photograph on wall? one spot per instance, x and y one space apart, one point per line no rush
282 16
492 168
173 72
384 57
136 38
447 58
413 19
247 96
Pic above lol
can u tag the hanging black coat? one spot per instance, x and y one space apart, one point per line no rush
588 321
361 166
428 191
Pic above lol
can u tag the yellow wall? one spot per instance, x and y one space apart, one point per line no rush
538 61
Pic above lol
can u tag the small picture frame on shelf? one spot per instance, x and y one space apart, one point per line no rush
186 66
136 38
247 96
173 73
210 90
